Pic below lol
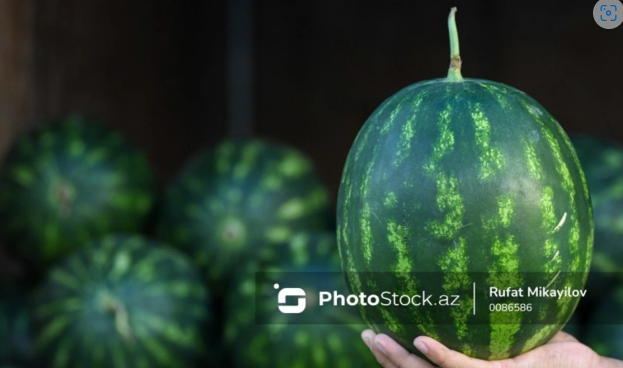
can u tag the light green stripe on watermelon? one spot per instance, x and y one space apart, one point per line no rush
499 94
120 265
76 148
445 142
392 115
366 234
118 357
178 288
278 234
23 175
224 154
294 165
504 273
67 305
390 201
98 353
407 134
503 330
547 209
249 155
318 354
66 279
159 352
397 236
56 328
291 209
390 321
96 156
491 159
63 353
449 202
539 337
456 281
271 182
168 330
532 159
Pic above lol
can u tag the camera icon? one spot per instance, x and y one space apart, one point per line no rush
608 14
605 9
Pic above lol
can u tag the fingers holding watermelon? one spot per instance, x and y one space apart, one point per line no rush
390 354
563 351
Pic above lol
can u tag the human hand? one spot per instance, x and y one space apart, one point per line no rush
563 351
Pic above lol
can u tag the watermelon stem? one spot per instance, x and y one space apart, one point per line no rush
65 196
122 319
454 72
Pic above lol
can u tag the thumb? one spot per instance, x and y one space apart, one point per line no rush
446 358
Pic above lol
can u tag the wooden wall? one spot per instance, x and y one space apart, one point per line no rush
146 67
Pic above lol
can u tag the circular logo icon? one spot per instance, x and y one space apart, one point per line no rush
608 14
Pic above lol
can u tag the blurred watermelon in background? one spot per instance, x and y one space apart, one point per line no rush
69 190
69 182
602 161
122 301
241 200
331 339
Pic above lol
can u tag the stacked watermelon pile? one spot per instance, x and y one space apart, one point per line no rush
77 206
75 198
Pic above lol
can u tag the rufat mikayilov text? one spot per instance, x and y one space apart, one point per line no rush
539 292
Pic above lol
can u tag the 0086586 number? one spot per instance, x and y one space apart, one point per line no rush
510 307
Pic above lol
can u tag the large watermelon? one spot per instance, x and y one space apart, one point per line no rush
122 302
240 199
331 338
454 176
604 332
16 346
70 182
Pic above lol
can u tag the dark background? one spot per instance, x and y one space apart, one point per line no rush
157 70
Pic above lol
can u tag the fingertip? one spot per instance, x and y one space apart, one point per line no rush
420 344
368 333
367 336
426 340
380 343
